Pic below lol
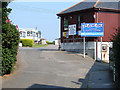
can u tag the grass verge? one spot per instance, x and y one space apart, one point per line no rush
39 45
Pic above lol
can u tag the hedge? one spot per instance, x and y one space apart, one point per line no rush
27 42
10 41
7 62
0 55
116 55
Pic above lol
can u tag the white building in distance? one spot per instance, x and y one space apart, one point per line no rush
57 41
30 33
43 41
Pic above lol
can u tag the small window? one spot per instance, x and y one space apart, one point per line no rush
65 24
80 20
36 34
33 34
24 34
39 35
28 33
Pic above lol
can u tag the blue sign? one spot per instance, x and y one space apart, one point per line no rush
91 29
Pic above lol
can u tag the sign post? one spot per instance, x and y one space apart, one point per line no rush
101 49
84 46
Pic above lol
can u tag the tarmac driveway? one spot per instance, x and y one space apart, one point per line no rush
49 68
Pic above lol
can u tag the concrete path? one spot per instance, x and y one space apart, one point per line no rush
99 76
49 68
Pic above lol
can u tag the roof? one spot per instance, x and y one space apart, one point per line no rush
43 39
57 39
86 4
28 29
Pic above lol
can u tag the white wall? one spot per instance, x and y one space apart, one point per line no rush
57 42
105 55
78 46
43 42
90 49
30 37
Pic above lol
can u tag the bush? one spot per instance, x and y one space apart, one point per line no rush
116 55
10 38
50 42
27 42
10 41
47 42
54 42
7 62
0 54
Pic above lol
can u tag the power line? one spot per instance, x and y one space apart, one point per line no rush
34 9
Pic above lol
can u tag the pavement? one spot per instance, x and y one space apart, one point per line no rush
99 76
47 67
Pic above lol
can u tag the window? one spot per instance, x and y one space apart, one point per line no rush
36 34
80 20
33 34
28 33
65 24
39 35
24 34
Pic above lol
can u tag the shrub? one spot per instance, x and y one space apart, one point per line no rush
47 42
27 42
7 62
0 54
50 42
10 41
116 55
54 42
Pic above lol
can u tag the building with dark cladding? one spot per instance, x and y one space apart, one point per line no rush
90 11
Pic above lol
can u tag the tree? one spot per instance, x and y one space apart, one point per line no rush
116 54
